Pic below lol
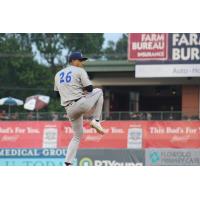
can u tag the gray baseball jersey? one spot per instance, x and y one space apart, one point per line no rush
70 82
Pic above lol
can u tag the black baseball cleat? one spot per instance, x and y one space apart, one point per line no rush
68 164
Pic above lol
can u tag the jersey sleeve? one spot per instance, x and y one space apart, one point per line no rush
85 79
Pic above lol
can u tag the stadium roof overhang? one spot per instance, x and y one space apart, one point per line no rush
110 66
125 75
106 81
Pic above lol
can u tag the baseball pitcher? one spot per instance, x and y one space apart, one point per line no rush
78 97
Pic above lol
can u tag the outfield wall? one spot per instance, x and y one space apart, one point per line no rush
126 143
119 134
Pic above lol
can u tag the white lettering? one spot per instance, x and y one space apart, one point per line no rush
183 40
6 130
193 39
152 37
175 54
115 163
148 45
175 39
195 55
186 53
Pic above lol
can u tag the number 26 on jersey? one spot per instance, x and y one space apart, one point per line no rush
65 77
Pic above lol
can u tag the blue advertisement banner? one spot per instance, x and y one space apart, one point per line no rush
32 162
33 153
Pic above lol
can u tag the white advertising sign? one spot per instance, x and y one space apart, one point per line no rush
167 70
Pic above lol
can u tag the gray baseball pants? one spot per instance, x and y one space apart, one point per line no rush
75 113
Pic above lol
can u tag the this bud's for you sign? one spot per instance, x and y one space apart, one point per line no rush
148 46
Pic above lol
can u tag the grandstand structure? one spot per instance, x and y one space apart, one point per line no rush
123 92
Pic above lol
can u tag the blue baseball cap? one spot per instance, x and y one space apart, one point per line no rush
76 56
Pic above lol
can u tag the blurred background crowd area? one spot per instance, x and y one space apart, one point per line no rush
55 116
29 62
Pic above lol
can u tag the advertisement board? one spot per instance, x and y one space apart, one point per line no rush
32 153
32 162
119 134
32 157
172 157
14 134
166 70
148 46
171 134
47 134
101 157
85 157
174 48
184 48
165 54
115 136
110 157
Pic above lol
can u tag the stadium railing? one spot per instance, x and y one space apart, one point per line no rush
148 115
